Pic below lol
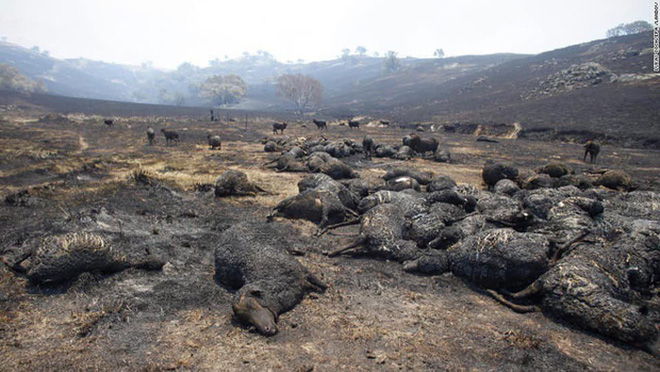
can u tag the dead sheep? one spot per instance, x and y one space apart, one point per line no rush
451 196
554 170
171 136
339 149
423 177
402 183
297 151
440 183
287 162
590 288
318 206
540 181
404 153
506 186
271 146
592 149
59 258
357 186
426 227
442 156
423 145
316 160
250 259
382 233
432 262
580 181
569 218
494 172
151 135
504 211
235 183
501 258
338 170
615 180
384 151
322 181
541 201
214 141
408 204
456 232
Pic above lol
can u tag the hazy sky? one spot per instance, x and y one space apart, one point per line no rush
171 32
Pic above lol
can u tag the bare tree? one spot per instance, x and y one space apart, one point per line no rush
439 53
629 28
223 90
302 90
392 63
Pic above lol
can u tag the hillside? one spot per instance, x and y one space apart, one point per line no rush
602 89
100 80
604 86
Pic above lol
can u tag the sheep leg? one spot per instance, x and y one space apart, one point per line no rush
352 212
16 265
271 162
352 246
515 307
316 283
567 245
337 225
531 290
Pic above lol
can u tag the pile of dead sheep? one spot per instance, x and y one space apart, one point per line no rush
295 152
581 248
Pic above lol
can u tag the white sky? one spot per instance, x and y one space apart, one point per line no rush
171 32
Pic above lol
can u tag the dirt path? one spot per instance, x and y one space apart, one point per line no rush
83 144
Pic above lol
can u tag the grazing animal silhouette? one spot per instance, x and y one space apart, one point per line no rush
422 145
170 136
109 122
354 124
214 142
151 135
280 127
368 147
320 124
592 148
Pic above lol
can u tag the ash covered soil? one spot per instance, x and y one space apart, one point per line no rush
374 316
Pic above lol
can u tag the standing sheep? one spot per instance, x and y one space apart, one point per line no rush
423 145
170 136
214 142
280 127
151 135
320 124
368 147
592 148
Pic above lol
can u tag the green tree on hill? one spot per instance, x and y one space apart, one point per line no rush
12 79
629 28
392 63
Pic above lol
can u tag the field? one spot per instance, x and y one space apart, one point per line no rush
374 316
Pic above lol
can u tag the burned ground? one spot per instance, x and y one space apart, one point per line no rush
374 316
